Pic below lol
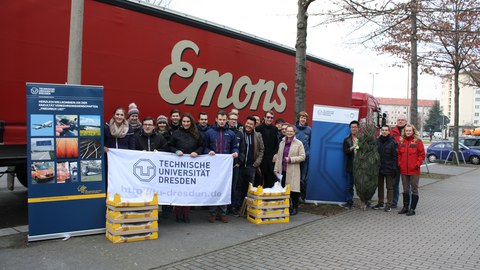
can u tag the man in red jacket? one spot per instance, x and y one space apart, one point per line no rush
396 133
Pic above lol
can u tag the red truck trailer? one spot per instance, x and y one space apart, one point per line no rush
156 58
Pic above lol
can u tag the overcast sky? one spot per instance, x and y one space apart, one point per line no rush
276 20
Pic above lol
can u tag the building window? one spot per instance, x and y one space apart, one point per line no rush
477 92
477 106
475 122
477 99
476 114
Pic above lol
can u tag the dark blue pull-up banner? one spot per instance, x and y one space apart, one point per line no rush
327 178
66 183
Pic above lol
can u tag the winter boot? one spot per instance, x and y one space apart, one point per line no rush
295 196
406 202
411 212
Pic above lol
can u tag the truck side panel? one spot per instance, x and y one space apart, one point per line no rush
157 59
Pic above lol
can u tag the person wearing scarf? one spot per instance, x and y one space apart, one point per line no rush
133 118
289 156
118 133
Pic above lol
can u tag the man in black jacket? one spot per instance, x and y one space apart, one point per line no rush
387 149
148 139
270 140
350 146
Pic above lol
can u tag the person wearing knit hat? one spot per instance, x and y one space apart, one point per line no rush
133 114
163 127
162 119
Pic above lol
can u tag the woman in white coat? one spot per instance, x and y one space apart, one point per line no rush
290 154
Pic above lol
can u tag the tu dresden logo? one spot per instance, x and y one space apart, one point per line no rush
144 170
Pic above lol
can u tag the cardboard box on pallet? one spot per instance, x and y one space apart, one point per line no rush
268 206
116 239
128 221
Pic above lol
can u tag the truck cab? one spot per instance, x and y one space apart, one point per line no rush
368 109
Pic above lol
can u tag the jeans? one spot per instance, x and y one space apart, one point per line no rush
349 190
234 193
218 210
396 189
410 184
381 191
246 176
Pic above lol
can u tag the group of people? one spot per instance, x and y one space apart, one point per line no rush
401 152
263 152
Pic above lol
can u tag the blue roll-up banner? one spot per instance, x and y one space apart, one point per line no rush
66 183
327 179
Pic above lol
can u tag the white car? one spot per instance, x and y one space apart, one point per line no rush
437 135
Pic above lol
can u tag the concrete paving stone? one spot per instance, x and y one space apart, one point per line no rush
440 236
7 231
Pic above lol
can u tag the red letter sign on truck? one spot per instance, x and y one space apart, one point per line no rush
158 59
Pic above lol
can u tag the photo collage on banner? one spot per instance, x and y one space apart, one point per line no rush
65 148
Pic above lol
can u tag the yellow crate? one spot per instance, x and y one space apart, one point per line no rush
131 220
118 202
116 239
269 203
259 221
259 191
127 214
122 227
266 213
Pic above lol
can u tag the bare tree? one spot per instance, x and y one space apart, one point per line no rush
301 55
391 27
455 28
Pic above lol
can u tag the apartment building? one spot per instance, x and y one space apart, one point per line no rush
394 107
469 100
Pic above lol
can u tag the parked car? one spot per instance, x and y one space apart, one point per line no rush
441 150
471 142
437 135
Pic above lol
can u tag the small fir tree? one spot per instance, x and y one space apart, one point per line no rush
366 163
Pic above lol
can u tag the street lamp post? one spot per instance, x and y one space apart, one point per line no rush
373 81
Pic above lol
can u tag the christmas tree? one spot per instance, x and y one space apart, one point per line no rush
366 163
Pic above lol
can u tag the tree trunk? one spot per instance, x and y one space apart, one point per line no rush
457 110
301 56
413 119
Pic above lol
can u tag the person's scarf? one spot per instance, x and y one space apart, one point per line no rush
135 126
118 131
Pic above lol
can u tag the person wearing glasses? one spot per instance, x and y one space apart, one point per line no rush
148 139
270 140
396 133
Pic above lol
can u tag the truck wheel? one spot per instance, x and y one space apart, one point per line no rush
21 173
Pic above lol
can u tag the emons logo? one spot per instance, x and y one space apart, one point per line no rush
144 170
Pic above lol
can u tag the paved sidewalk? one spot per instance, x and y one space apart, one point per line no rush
443 235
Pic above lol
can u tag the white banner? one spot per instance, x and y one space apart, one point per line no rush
137 175
334 114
